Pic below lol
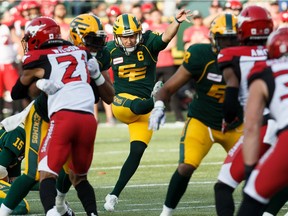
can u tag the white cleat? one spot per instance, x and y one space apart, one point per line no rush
166 211
110 202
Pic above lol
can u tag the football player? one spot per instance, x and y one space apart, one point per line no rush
267 88
72 126
254 26
133 56
86 30
204 120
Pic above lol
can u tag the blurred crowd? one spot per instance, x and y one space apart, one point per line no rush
16 14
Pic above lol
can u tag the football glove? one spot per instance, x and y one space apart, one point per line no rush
95 72
50 87
157 116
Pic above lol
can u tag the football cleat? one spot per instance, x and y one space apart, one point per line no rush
110 202
69 211
166 211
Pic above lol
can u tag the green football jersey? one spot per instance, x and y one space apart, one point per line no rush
41 106
103 58
136 73
15 142
207 104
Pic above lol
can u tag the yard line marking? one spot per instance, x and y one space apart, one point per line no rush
153 166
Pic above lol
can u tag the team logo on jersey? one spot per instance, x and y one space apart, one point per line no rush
118 60
34 29
214 77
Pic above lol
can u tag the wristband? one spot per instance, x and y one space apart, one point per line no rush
99 80
178 20
160 104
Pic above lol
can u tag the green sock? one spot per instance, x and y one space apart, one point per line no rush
277 202
130 166
63 182
19 190
176 189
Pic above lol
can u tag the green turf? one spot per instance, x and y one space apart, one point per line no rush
145 193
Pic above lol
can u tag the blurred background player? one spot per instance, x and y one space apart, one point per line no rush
267 88
133 55
204 119
235 63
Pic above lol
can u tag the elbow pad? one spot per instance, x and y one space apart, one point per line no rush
19 91
231 104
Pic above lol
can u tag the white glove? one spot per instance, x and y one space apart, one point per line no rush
95 72
50 87
157 116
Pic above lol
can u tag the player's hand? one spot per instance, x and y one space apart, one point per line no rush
95 72
184 15
157 116
93 68
50 87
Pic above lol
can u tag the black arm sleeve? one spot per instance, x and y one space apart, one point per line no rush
231 104
19 91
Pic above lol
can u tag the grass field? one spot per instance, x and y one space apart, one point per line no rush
145 193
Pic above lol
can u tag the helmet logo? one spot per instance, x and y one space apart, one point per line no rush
34 29
242 19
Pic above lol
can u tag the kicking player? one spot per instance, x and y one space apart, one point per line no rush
133 57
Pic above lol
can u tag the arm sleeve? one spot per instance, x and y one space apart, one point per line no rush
231 104
19 91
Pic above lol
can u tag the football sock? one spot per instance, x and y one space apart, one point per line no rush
130 166
139 106
224 199
63 182
48 193
18 190
176 189
87 197
277 202
249 206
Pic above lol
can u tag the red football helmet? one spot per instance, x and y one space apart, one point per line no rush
39 31
277 43
254 23
113 10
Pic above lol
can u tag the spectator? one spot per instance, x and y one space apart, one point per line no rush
198 33
8 71
233 6
59 15
136 10
275 13
214 10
